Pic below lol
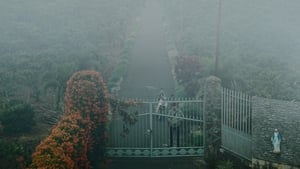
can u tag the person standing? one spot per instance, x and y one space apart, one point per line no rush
162 104
174 123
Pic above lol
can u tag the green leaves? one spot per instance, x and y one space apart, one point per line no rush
17 118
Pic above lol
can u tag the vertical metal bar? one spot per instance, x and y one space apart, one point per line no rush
246 114
204 119
247 107
199 123
117 126
242 112
251 128
249 114
249 117
222 108
225 101
239 111
194 105
135 134
228 107
146 124
225 106
235 109
143 109
231 109
151 127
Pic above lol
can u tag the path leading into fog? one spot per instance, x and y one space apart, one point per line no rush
149 67
149 70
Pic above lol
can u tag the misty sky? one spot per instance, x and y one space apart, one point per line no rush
257 25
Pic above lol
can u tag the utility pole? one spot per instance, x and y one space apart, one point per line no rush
218 32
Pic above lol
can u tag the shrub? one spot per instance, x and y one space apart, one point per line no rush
225 165
187 70
79 139
17 118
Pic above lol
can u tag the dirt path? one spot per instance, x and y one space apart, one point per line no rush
149 67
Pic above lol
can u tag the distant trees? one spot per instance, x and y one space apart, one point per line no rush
253 59
37 61
187 70
78 140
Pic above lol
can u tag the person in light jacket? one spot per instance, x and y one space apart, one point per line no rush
174 123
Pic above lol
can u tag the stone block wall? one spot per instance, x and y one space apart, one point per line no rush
283 115
212 96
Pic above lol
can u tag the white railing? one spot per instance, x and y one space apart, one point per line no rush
236 115
175 130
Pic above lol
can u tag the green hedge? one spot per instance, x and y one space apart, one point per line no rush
17 118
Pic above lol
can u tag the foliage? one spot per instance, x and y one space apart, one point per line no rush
87 93
11 154
265 76
16 118
121 68
78 140
37 61
187 70
129 117
224 165
38 53
253 59
65 147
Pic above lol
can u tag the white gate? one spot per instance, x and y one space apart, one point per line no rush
236 125
174 130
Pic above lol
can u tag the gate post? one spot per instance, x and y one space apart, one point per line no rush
212 103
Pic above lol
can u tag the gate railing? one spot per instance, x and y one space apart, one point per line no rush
174 130
236 128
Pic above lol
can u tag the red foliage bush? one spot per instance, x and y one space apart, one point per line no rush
78 140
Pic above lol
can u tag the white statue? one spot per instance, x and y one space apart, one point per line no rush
276 139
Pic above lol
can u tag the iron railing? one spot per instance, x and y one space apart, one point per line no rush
236 115
151 135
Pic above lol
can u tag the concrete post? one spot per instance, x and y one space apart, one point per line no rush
212 96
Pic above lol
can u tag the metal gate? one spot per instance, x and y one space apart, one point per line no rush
174 129
236 123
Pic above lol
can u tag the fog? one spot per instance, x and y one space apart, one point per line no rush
140 47
256 37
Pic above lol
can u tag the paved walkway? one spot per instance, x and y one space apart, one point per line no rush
155 163
149 70
149 67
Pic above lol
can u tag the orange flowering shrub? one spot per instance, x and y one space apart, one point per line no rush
64 147
78 140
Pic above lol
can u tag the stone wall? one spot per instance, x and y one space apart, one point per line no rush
212 96
284 115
